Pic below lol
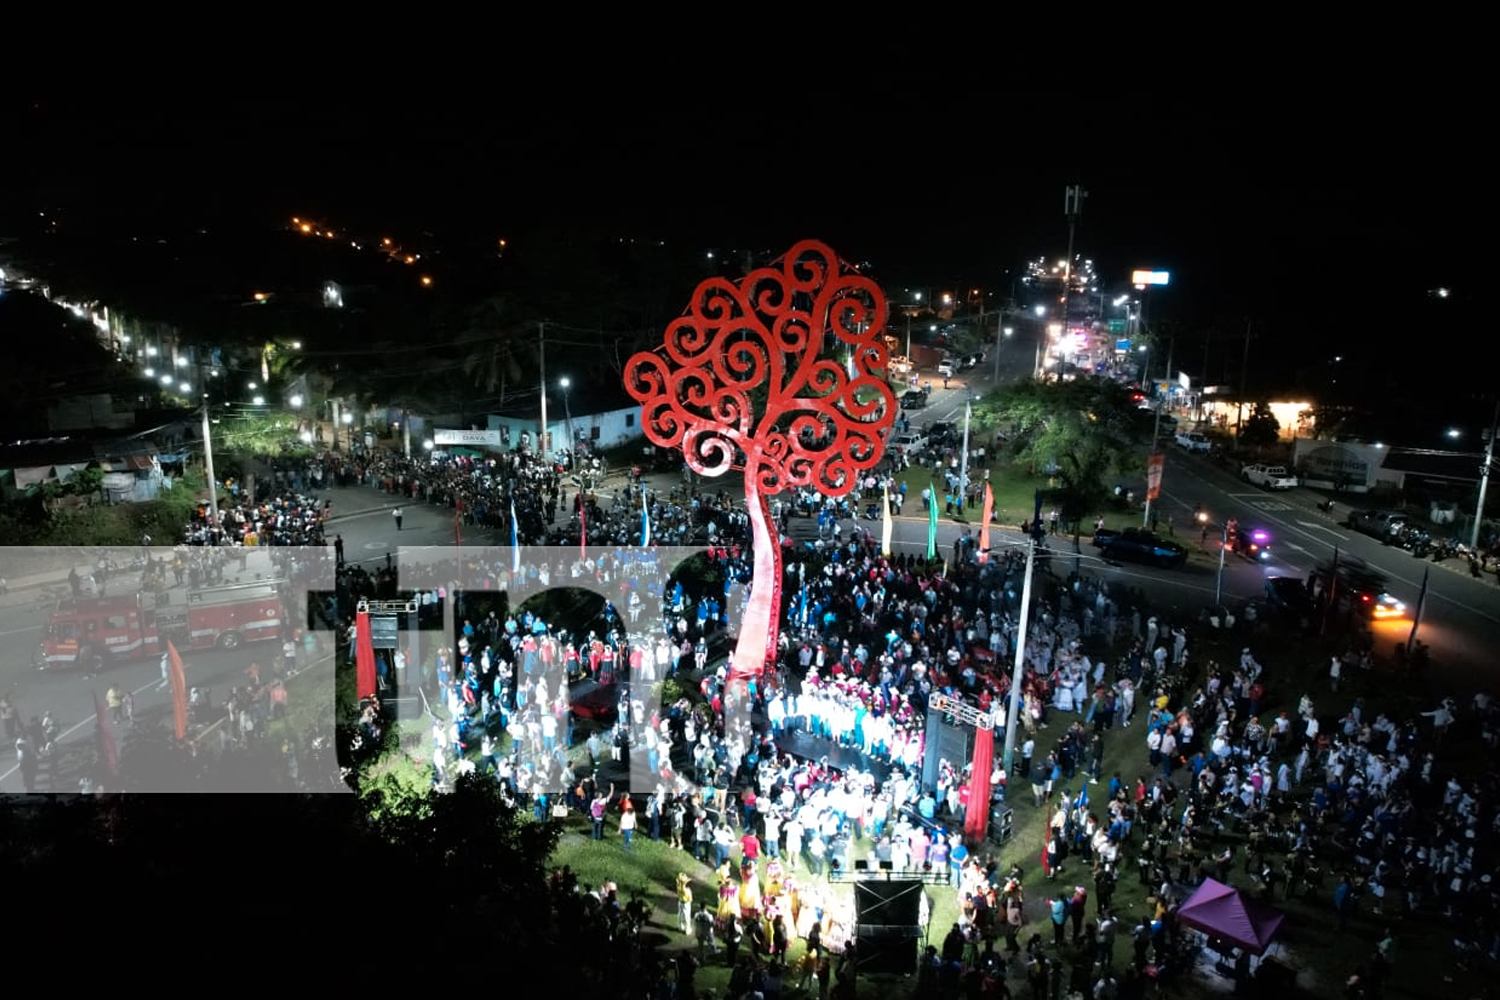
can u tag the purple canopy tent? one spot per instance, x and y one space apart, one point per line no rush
1222 912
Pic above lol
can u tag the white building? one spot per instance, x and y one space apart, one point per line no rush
593 425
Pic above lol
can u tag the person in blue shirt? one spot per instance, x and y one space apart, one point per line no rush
1059 918
927 806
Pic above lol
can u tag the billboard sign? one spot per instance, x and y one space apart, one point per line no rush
1121 346
1140 278
490 438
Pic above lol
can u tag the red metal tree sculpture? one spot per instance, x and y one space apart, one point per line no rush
781 375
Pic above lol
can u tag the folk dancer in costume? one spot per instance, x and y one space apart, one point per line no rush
775 879
750 901
809 909
728 904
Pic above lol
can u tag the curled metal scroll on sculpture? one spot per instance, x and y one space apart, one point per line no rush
823 422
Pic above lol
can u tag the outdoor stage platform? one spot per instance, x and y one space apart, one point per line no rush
801 746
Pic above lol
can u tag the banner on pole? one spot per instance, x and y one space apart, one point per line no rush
1155 462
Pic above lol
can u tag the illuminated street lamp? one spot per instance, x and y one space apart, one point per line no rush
566 383
259 401
295 401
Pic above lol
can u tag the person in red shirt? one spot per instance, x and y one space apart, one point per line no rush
749 849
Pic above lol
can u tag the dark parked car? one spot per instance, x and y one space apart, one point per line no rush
1139 545
914 399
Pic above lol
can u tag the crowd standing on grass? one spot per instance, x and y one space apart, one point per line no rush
1352 813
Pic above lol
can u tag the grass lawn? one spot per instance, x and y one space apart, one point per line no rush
1310 941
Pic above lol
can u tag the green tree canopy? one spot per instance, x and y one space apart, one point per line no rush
1082 430
1261 428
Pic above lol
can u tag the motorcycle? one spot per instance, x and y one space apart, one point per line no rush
1447 548
1326 506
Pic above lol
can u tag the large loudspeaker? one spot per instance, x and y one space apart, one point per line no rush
880 954
887 919
896 904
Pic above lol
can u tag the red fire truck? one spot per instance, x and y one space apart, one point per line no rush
96 632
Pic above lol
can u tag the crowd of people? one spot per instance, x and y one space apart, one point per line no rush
1357 814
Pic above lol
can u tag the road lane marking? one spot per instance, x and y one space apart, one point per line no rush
1315 526
15 631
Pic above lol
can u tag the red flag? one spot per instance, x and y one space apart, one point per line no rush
364 658
179 692
583 529
109 751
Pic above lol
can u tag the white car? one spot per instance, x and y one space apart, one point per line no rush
945 369
1194 441
1270 477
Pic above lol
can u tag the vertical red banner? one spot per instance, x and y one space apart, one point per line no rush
1155 462
364 658
977 818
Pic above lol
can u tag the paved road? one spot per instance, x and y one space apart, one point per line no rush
362 516
1459 610
69 695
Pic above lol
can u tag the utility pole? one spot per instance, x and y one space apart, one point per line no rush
1156 424
1072 208
208 467
1203 382
1484 478
406 432
541 441
1239 410
1018 674
963 466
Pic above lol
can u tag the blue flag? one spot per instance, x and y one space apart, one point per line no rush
645 522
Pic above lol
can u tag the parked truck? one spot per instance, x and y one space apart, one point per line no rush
95 632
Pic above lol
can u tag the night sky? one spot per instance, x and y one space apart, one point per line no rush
1321 216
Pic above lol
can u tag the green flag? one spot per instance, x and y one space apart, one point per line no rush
932 524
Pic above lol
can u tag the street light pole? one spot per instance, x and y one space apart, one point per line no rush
208 467
541 441
1484 478
1018 673
963 466
568 423
1223 546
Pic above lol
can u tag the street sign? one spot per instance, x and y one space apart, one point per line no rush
384 631
1122 345
1117 326
1154 465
